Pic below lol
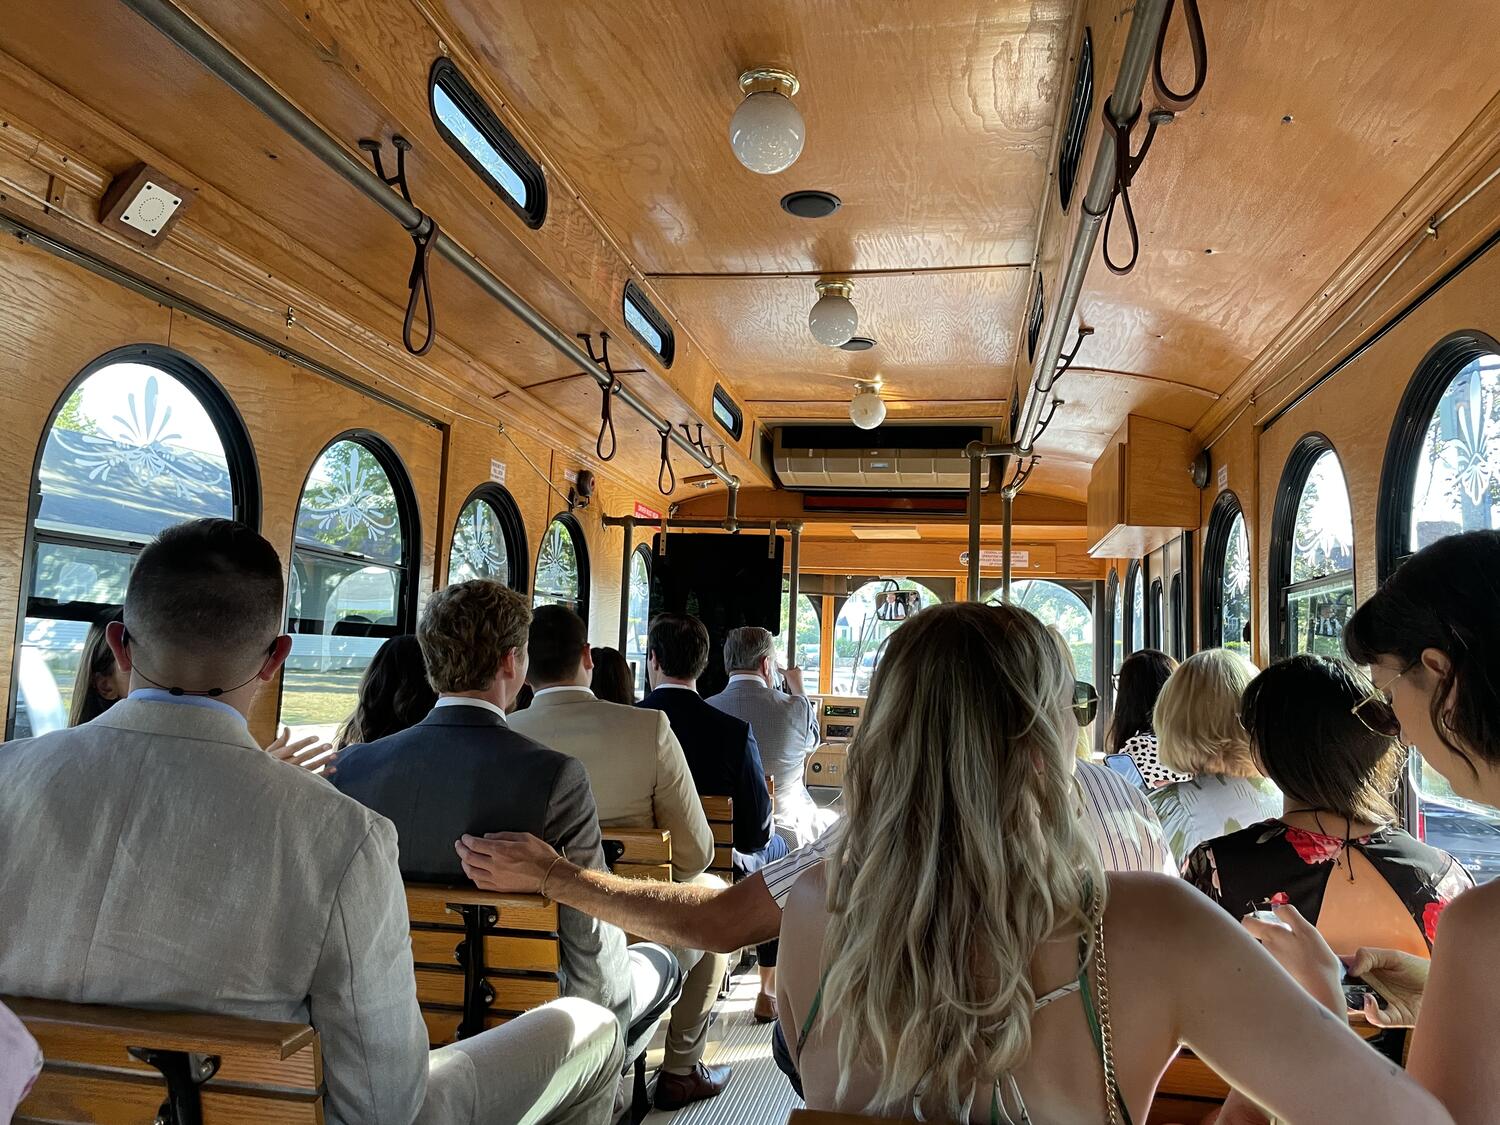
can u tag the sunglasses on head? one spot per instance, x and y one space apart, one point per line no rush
1375 710
1085 703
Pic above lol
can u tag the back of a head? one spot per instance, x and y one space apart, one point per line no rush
680 645
555 645
1197 716
393 695
1445 597
204 601
612 680
746 647
1308 741
94 661
962 851
1142 676
465 631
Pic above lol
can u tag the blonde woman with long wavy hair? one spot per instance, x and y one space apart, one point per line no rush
955 959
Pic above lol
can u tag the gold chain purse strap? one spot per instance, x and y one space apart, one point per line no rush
1106 1033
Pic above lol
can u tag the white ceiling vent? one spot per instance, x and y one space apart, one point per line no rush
892 458
885 531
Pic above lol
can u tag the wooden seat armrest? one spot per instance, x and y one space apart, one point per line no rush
228 1036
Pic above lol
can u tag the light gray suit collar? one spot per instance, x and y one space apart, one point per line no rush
562 697
174 720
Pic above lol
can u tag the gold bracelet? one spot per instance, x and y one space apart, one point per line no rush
542 890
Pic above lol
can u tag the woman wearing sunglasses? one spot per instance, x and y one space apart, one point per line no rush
1431 637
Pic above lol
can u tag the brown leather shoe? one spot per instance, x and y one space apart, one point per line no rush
765 1008
673 1091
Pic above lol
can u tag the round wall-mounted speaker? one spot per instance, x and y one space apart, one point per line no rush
1201 469
583 489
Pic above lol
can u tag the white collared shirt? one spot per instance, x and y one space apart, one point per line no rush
679 687
468 701
748 677
562 687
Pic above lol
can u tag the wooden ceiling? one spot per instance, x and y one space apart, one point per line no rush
934 122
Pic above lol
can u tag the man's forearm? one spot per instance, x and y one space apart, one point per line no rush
681 914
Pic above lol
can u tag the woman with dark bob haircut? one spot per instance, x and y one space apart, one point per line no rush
1132 730
393 695
1431 638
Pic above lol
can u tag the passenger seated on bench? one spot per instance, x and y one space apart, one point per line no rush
612 680
156 857
982 977
1198 735
1336 852
100 682
463 769
640 779
1137 684
393 694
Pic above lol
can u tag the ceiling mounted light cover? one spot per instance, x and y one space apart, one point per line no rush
767 131
857 344
867 410
833 319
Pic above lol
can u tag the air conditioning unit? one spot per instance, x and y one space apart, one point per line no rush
896 458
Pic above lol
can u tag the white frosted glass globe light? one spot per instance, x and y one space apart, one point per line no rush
867 410
833 320
767 132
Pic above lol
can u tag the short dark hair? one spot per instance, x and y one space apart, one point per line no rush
1299 713
680 645
465 631
1142 677
555 644
1447 597
209 586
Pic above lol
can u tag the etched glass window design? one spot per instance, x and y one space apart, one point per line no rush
1138 614
1457 486
638 617
859 633
1235 604
1320 598
131 451
479 549
1117 625
559 579
347 584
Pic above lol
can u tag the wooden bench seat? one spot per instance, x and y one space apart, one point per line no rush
480 958
645 853
235 1070
720 814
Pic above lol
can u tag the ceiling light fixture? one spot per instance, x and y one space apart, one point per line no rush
867 410
767 131
811 204
833 319
857 344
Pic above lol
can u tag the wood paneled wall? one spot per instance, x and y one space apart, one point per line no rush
56 317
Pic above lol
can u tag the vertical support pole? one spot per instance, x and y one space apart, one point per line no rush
625 560
1006 502
793 583
976 466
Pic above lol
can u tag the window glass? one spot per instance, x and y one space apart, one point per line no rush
1056 605
1179 645
132 451
1156 615
809 655
651 328
1457 486
1138 614
345 594
457 122
1235 607
559 577
1321 596
468 124
639 617
479 549
859 633
1117 625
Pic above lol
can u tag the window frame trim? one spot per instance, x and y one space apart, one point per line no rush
480 114
721 397
1133 574
1299 465
512 528
634 295
574 528
241 465
1221 519
1080 109
1429 382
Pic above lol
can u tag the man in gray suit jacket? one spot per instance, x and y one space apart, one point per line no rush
158 857
462 769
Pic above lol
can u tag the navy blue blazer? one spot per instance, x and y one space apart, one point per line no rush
723 758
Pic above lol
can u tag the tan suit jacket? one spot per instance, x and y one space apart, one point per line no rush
635 765
157 857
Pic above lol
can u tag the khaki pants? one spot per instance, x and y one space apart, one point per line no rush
687 1030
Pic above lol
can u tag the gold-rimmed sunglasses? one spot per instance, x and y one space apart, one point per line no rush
1375 710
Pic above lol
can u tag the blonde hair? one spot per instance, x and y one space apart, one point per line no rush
964 851
465 631
1083 746
1197 717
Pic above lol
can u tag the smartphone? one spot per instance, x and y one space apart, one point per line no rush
1124 765
1355 991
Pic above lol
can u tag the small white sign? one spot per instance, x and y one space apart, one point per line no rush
570 475
497 471
1223 477
1019 560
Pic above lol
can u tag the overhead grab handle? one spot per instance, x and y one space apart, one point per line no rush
607 403
424 235
1167 97
666 472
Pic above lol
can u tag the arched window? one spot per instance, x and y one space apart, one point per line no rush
562 567
352 581
639 616
1154 622
489 539
1312 552
1064 609
1442 465
1226 578
859 633
809 654
1179 641
1135 594
143 438
1116 623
